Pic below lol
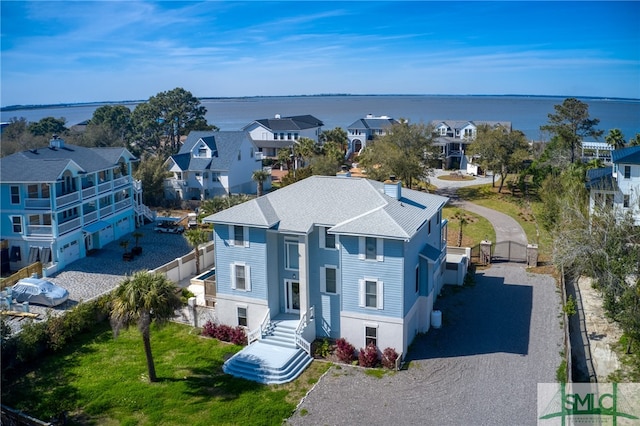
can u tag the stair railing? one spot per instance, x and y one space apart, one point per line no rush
306 318
257 334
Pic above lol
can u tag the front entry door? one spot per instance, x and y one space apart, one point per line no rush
292 296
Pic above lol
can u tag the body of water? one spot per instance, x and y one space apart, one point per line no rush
525 113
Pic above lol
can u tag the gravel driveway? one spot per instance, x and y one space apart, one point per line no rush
104 270
499 339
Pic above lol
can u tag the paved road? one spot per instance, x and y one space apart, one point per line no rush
498 340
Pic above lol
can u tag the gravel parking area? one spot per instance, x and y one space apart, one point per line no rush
499 338
91 276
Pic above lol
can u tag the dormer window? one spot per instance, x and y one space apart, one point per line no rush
202 151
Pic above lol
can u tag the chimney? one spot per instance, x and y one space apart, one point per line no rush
393 187
56 142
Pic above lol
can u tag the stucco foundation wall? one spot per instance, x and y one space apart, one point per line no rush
227 312
390 331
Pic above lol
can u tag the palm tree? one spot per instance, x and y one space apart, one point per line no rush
140 299
463 221
260 176
195 237
615 138
137 249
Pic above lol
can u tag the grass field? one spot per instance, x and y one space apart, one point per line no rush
99 380
475 230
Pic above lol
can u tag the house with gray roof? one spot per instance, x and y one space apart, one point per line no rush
211 164
454 137
271 135
364 130
617 186
62 201
336 257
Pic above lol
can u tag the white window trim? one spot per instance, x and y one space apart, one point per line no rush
11 195
379 293
246 308
364 331
323 279
22 224
322 240
247 276
362 255
287 242
232 236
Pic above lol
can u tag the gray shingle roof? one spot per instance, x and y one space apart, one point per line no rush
224 145
353 206
47 164
373 123
294 123
459 124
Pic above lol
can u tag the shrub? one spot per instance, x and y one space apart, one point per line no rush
389 357
225 333
345 350
323 350
368 357
238 336
208 329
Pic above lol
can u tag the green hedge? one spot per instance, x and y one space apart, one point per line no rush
50 335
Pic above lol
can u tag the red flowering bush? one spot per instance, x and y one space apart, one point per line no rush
389 357
225 333
345 351
368 357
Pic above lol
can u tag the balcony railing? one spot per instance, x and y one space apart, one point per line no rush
89 192
90 217
120 205
121 181
40 230
67 199
37 203
69 226
106 211
104 187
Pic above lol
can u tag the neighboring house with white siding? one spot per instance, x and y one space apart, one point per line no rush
211 164
364 259
454 136
364 130
62 201
617 186
271 135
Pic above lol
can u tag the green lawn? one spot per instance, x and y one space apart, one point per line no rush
477 228
523 211
99 380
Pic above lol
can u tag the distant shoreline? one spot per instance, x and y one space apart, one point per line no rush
326 95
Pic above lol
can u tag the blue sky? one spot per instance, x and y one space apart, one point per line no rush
75 51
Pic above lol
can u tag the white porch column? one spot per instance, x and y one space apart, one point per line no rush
303 243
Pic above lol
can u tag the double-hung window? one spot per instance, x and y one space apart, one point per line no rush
329 279
627 172
15 195
291 255
371 248
371 334
242 316
238 236
371 293
625 200
327 240
240 276
16 221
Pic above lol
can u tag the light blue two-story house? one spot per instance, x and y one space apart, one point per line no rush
62 201
347 257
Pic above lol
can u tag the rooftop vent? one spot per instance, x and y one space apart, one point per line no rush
278 116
